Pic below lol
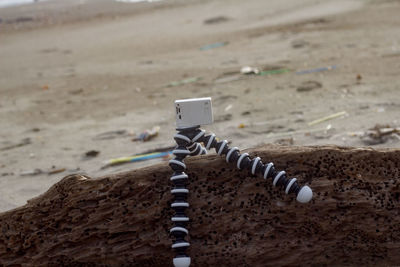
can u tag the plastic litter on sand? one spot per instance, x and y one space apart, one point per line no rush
214 45
316 70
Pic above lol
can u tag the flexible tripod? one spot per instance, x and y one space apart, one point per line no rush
188 143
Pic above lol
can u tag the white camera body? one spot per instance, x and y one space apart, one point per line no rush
193 112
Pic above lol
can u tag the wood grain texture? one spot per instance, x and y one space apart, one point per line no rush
236 219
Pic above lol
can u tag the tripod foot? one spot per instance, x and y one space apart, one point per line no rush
182 262
304 195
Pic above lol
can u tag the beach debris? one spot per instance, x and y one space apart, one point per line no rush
215 20
213 45
359 78
285 141
23 142
54 170
92 153
308 86
246 113
327 133
316 70
183 82
268 70
136 158
379 134
275 71
147 135
38 171
382 130
228 107
241 125
45 87
249 70
32 172
112 135
327 118
299 43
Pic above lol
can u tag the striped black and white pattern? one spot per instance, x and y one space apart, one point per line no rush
244 161
185 146
188 144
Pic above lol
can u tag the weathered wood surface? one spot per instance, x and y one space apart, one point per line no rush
237 220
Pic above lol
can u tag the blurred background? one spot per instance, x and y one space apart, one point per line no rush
86 81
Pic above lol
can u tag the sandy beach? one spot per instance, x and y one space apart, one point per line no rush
71 72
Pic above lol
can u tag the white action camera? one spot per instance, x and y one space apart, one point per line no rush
193 112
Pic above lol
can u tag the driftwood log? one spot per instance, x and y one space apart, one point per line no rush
236 219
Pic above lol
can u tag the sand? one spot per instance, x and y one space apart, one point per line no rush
71 70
